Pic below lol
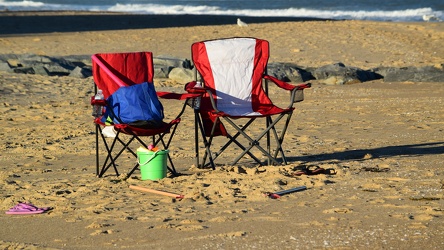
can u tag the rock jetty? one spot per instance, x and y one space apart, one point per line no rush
182 70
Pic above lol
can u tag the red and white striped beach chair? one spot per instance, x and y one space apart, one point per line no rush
234 79
112 72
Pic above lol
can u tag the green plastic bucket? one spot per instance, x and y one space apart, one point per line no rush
153 165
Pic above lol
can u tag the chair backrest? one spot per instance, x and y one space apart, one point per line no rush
232 69
114 70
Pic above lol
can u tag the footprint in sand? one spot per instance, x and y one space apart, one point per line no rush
190 227
224 219
98 225
423 217
338 211
100 232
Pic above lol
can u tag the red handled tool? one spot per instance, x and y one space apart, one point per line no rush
278 194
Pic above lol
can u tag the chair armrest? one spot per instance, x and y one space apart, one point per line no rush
176 96
285 85
192 88
279 83
297 91
297 94
195 88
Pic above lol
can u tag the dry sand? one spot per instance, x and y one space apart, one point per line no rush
384 140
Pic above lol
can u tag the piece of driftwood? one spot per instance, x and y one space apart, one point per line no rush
149 190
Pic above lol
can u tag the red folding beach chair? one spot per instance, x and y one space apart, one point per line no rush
234 82
113 73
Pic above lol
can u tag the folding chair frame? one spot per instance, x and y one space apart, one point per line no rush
296 96
110 161
135 74
253 143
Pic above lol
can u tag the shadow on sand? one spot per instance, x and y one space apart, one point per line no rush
412 150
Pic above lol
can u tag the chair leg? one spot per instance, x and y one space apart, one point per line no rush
196 136
280 139
166 145
132 171
267 124
232 139
206 142
107 165
255 142
97 150
247 151
110 159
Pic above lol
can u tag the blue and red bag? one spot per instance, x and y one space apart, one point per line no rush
136 105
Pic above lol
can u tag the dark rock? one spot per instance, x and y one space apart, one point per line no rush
79 60
181 70
4 66
40 70
338 73
14 63
6 57
62 62
173 62
87 70
288 72
411 74
24 70
181 75
79 72
56 69
162 71
32 59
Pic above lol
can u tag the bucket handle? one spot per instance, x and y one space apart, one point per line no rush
152 157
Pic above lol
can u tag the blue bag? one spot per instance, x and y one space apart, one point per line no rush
137 105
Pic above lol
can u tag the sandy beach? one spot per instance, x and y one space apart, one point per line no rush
383 140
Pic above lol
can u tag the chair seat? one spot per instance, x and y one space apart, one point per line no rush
140 131
241 113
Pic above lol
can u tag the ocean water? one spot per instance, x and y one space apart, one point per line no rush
392 10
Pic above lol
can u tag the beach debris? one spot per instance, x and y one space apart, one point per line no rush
424 198
154 191
27 208
314 170
277 195
241 23
153 148
375 169
109 132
